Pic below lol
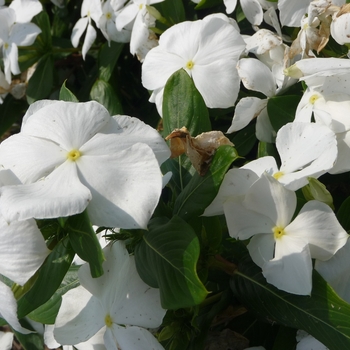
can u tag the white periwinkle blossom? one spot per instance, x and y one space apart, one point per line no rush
207 50
281 247
12 35
118 302
89 9
71 156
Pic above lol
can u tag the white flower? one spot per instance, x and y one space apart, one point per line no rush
119 302
13 35
308 342
208 50
26 9
89 9
74 155
283 249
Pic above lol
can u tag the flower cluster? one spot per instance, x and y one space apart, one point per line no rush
266 204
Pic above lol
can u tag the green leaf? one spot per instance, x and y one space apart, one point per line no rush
85 242
66 94
10 112
183 105
107 59
29 341
244 140
204 4
281 110
167 258
201 190
343 215
41 82
267 149
172 10
47 279
46 313
104 93
44 39
323 314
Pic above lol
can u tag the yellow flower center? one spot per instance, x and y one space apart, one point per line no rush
140 6
278 175
278 232
6 46
313 98
73 155
108 321
108 15
189 64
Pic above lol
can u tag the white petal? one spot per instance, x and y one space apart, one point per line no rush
90 37
59 194
269 198
128 131
253 11
129 300
317 149
243 223
24 34
136 338
8 308
158 66
336 271
12 57
246 109
261 248
79 318
340 28
22 248
256 76
218 83
261 165
235 183
230 5
126 16
342 163
30 158
26 9
69 124
291 12
317 224
291 269
78 31
264 130
127 192
6 340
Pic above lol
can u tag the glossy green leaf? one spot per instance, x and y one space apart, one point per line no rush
172 10
44 39
104 93
183 105
47 279
167 258
323 314
31 341
201 190
281 110
41 82
244 140
267 149
66 94
107 59
204 4
46 313
343 214
85 242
